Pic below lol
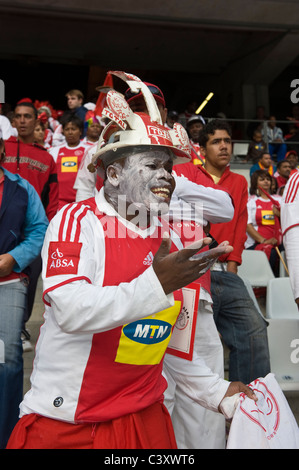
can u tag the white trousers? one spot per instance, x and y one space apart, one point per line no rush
195 388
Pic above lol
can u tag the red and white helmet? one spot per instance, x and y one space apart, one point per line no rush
128 130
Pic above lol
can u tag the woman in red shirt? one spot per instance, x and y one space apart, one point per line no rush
263 227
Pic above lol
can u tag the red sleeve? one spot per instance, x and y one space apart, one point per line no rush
197 174
235 230
50 193
240 219
189 170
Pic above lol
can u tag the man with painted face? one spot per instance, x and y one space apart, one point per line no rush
97 377
215 206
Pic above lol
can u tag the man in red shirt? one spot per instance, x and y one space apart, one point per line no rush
30 160
241 326
283 173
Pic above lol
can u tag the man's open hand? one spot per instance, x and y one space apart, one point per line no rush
178 269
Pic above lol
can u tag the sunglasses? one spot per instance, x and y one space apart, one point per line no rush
129 94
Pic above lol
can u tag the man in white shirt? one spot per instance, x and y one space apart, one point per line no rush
109 311
212 205
289 217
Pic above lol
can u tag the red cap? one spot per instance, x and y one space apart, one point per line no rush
25 100
291 152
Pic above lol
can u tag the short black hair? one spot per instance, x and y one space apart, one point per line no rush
29 105
278 164
74 120
264 153
211 127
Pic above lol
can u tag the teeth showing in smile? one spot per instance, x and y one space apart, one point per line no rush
161 192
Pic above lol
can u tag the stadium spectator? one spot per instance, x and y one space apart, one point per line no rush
23 224
264 163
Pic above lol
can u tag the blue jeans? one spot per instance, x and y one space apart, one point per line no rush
279 149
242 327
13 299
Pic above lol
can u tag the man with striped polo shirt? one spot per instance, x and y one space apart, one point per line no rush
97 377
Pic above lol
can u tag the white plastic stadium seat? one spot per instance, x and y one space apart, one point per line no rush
240 149
283 339
282 271
256 268
280 300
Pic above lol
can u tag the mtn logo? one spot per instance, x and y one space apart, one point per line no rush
148 331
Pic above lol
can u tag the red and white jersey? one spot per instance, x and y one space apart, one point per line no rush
48 138
85 141
261 216
107 319
68 160
53 123
289 215
87 184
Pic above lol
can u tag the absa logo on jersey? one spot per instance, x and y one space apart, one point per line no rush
148 331
63 258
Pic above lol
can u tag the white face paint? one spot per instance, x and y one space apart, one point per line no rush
145 181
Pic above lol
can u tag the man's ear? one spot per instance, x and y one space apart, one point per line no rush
203 151
113 172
